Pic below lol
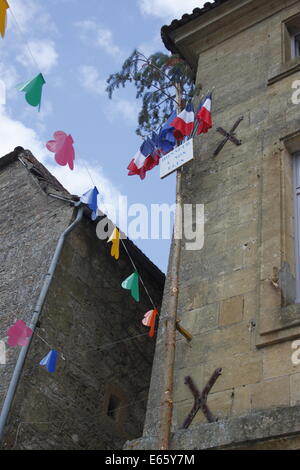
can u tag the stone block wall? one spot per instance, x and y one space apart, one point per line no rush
239 320
97 397
30 225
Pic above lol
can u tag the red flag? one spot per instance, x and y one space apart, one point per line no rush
146 158
184 123
204 116
149 320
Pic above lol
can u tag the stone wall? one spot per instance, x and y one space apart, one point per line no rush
97 397
239 320
30 225
273 429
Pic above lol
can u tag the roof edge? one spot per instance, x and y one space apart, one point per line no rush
11 157
19 152
34 166
186 18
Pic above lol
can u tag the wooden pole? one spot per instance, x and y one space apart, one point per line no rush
170 339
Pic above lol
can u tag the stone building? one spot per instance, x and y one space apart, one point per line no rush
97 397
239 295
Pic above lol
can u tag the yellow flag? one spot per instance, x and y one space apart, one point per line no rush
115 239
3 7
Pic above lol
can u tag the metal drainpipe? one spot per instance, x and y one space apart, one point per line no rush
36 314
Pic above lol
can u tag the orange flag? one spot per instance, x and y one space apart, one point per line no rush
3 7
149 320
115 239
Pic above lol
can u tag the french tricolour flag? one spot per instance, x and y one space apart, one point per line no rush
144 160
184 123
204 116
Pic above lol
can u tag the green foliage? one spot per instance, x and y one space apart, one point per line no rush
154 79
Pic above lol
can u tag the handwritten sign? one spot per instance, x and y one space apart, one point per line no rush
175 159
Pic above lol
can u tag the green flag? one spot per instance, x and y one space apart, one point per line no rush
132 284
33 90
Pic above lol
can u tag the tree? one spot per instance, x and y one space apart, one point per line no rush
155 79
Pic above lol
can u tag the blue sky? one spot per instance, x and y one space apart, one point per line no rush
77 45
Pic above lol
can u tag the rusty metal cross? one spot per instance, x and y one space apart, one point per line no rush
201 399
229 136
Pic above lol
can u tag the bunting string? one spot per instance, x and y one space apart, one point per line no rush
102 348
49 345
70 161
140 277
33 96
22 34
88 172
134 266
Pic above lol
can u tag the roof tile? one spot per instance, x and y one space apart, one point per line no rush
186 18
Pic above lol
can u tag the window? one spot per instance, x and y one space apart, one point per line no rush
296 45
113 407
297 222
291 34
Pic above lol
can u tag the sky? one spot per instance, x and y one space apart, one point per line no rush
76 45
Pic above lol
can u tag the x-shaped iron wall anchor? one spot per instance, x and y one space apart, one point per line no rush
201 399
229 136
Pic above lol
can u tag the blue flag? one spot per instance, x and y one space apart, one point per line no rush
90 198
50 361
154 139
166 139
147 147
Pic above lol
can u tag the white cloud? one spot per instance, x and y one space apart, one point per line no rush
84 177
29 13
100 36
44 52
90 80
125 109
117 107
169 8
14 133
23 11
8 78
9 75
152 46
105 42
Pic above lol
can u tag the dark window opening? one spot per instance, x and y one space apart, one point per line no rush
297 45
113 407
297 222
291 38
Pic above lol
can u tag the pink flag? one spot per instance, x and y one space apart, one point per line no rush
63 148
149 320
18 334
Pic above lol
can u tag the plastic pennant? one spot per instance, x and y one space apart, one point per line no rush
33 90
149 320
3 16
62 146
19 334
91 199
115 239
49 361
132 284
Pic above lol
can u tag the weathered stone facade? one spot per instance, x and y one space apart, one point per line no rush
240 320
97 397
